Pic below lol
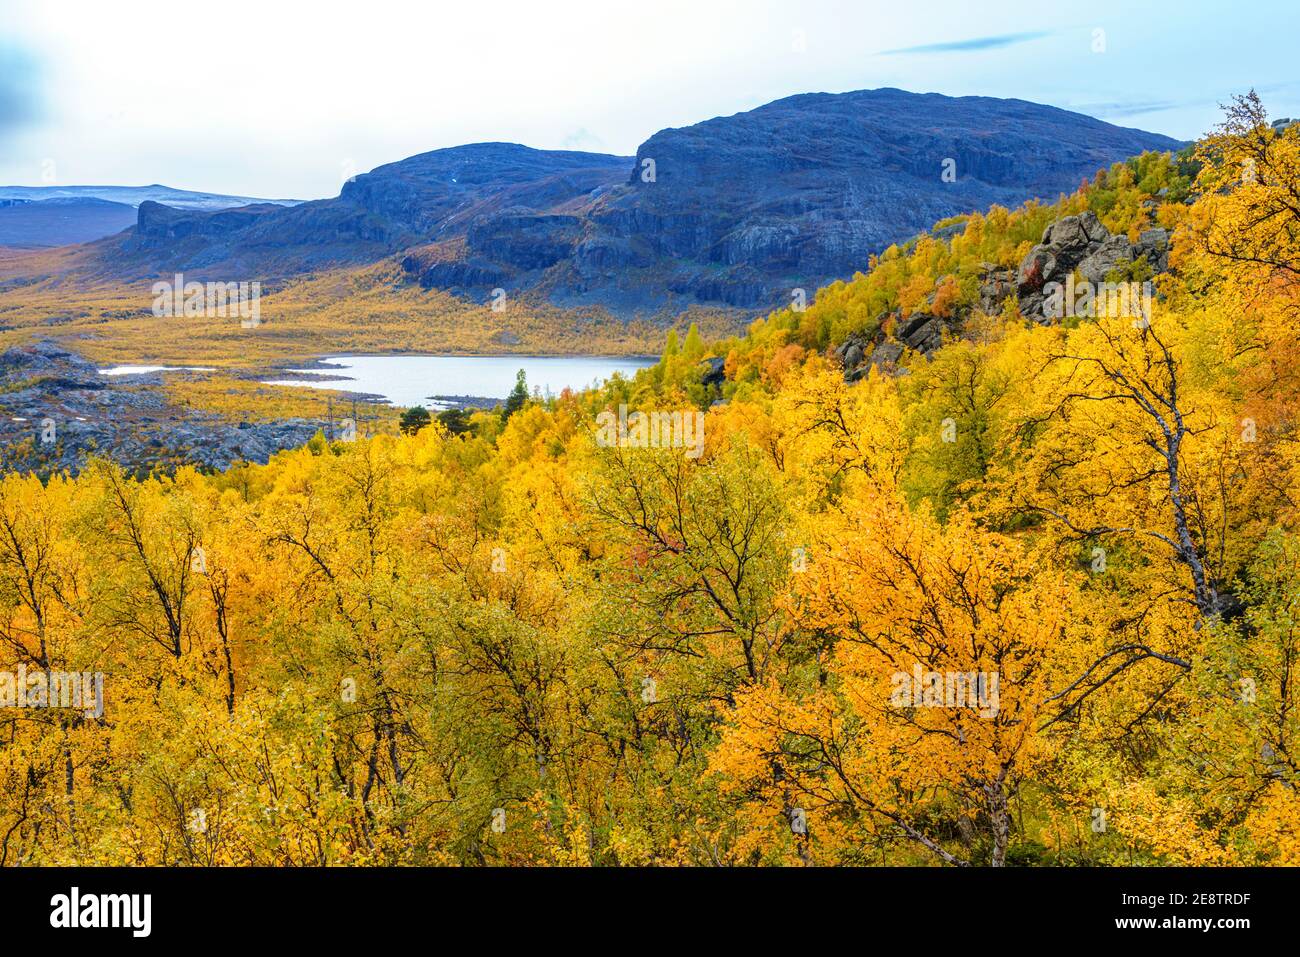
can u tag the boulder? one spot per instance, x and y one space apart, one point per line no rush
997 285
1037 268
1077 243
886 355
1074 233
1153 244
1066 243
1109 254
924 335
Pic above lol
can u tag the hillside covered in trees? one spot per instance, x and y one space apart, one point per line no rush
528 644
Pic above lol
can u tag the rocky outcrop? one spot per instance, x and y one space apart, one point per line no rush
525 240
923 332
459 273
859 354
56 410
996 285
1071 244
156 223
1079 243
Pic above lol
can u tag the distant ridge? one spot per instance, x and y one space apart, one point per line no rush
41 216
135 195
734 211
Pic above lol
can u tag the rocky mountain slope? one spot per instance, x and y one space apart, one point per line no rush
736 211
802 191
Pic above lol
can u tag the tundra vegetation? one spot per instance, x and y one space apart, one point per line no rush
502 642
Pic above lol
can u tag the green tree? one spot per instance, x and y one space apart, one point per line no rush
517 399
455 421
414 419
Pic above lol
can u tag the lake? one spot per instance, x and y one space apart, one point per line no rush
413 380
141 370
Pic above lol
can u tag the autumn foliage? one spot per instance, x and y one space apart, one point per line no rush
1032 602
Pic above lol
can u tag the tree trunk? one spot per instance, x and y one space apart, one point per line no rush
999 818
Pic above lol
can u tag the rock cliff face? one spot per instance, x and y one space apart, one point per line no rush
419 201
744 209
736 211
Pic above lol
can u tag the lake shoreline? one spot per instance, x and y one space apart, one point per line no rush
611 356
446 380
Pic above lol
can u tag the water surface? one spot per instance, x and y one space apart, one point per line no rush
414 380
141 370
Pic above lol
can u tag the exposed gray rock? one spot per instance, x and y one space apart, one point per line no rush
1154 245
57 410
1112 251
1071 243
1078 243
859 354
886 355
1072 235
922 332
996 286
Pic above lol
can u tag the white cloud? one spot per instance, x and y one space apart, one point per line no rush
274 99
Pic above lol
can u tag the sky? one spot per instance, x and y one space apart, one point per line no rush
281 99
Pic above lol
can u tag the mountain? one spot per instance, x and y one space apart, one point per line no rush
63 215
801 191
135 195
61 222
430 197
736 211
